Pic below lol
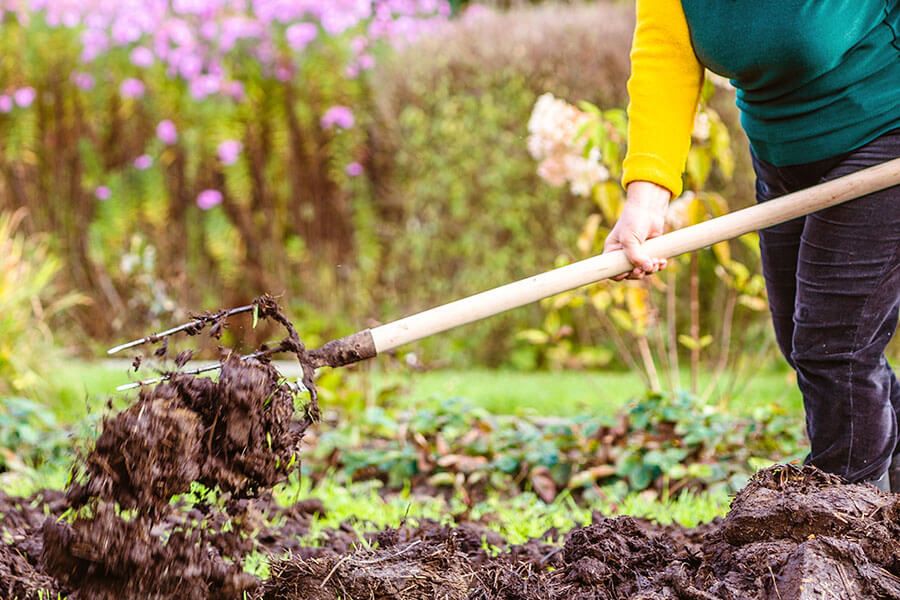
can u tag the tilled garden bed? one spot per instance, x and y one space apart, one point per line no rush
792 533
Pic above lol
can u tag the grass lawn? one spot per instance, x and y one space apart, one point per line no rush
80 386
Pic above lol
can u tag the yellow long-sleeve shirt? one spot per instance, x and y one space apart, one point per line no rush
814 78
664 89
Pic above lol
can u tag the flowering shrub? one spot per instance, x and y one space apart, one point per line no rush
582 148
556 139
134 118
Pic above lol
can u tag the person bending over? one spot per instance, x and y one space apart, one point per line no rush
818 88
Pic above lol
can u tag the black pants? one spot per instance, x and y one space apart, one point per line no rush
833 280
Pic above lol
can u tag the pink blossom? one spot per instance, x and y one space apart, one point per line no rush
102 193
366 62
229 151
125 31
132 88
83 81
283 73
354 169
204 86
338 116
94 43
166 132
208 199
299 35
142 57
24 96
6 104
235 89
143 162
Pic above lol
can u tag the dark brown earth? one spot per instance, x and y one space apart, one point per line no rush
793 533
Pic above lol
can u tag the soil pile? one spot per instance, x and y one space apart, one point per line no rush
122 535
792 533
238 433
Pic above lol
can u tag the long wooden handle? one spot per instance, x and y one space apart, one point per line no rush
368 343
597 268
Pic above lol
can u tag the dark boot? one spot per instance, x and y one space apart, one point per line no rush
883 482
894 474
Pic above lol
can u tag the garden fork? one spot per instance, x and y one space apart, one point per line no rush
368 343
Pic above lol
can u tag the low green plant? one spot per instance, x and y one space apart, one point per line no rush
664 442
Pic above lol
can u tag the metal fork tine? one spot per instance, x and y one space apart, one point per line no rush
174 330
215 367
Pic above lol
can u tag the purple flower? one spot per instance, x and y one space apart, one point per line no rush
283 73
142 57
83 81
229 151
299 35
338 116
235 89
102 193
366 62
94 42
204 85
6 104
354 169
24 96
132 88
166 132
143 162
207 199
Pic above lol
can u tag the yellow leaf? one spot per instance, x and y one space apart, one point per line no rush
588 234
722 250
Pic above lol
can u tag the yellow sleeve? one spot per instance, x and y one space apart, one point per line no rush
663 90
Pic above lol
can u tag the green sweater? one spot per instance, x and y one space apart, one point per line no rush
814 78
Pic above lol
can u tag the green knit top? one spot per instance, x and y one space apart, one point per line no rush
814 78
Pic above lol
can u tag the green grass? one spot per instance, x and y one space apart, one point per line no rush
81 386
517 519
565 394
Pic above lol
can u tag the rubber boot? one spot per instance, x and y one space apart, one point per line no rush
894 474
883 482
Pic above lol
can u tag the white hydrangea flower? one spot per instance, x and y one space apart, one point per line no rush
701 127
554 141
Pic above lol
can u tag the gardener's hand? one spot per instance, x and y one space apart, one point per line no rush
643 218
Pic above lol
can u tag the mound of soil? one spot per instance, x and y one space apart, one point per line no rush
238 433
793 533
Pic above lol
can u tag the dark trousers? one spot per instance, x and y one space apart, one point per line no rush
833 280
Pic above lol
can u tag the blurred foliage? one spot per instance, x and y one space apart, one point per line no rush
449 203
28 299
30 437
459 205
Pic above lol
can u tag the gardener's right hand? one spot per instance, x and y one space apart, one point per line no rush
643 218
